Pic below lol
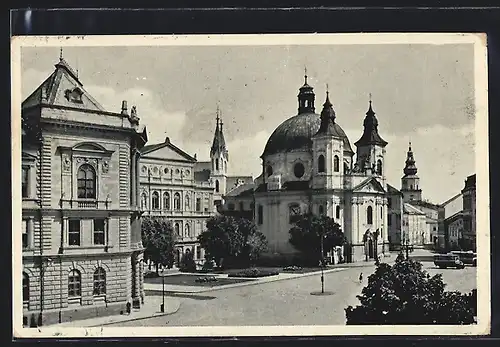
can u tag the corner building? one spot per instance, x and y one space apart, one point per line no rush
309 165
82 250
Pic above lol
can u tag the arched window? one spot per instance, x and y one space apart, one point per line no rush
337 212
369 215
187 231
269 170
321 163
177 229
26 287
177 201
411 186
346 169
217 187
336 164
187 202
144 201
155 201
216 164
166 201
99 281
74 284
86 182
379 167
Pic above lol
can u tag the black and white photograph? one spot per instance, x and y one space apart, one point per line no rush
250 185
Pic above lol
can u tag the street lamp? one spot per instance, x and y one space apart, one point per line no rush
322 264
44 264
162 306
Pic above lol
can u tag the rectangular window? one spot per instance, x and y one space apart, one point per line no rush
389 202
25 234
198 204
99 231
25 181
74 232
198 252
260 215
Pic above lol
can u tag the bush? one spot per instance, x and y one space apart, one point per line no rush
292 268
254 273
206 279
187 263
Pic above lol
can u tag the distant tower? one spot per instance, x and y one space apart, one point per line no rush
220 158
370 154
410 182
306 97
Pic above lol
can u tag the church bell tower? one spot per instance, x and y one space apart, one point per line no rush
410 181
219 157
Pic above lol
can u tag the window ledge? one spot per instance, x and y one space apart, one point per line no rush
75 300
89 247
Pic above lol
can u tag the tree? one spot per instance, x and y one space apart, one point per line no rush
158 239
187 262
306 235
404 294
236 240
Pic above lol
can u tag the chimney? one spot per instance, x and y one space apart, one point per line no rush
124 107
195 156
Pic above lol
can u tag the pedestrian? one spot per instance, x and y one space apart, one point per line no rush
360 277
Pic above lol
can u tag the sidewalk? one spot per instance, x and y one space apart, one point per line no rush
151 308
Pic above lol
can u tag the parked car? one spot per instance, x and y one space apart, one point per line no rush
467 257
444 261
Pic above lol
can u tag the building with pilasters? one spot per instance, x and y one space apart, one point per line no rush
81 238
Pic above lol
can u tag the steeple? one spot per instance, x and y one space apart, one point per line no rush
62 63
370 133
306 97
410 168
327 125
218 143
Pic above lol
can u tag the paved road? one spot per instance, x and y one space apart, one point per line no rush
287 302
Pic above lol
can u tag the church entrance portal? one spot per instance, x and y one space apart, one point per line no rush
371 253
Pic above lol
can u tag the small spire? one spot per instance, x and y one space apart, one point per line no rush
305 74
409 146
327 92
217 112
61 54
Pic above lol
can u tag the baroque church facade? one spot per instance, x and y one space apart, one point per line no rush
309 165
81 239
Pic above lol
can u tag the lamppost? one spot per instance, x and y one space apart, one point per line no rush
322 264
44 264
162 306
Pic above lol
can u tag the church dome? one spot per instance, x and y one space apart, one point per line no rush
296 133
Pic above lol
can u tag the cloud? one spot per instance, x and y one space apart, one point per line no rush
149 109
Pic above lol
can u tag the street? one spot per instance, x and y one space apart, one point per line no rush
287 302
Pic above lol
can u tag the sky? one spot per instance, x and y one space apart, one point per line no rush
421 93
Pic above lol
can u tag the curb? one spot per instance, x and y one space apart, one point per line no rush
155 315
253 283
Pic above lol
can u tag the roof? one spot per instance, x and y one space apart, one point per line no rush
287 186
203 165
62 88
245 189
392 190
296 133
370 133
425 204
202 176
408 208
152 148
450 200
